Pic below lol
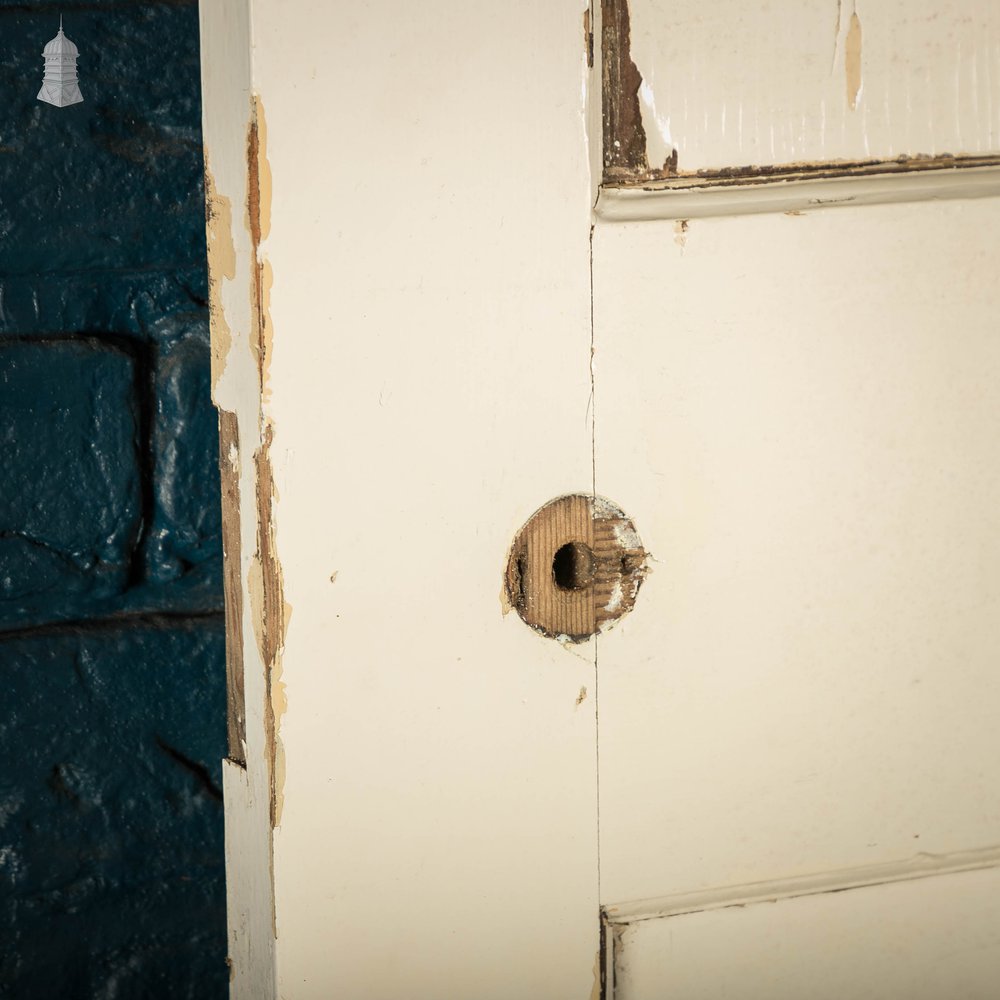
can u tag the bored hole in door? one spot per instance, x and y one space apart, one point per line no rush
573 566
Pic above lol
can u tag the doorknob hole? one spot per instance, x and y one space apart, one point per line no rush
571 591
573 566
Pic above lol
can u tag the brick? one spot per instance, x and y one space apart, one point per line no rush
121 303
117 181
186 527
70 502
111 815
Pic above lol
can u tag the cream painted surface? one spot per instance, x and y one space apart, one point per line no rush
804 410
429 389
799 414
921 940
679 201
731 84
798 408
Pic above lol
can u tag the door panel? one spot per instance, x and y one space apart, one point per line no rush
724 89
921 940
800 414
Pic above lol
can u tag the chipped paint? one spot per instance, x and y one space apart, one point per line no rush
271 614
236 227
265 583
659 144
229 470
852 61
505 606
581 697
259 222
221 267
715 94
616 598
749 174
624 133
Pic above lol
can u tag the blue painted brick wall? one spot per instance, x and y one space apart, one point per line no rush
112 728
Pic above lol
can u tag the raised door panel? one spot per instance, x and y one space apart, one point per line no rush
801 415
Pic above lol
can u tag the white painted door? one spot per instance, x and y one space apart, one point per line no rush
439 303
803 413
798 406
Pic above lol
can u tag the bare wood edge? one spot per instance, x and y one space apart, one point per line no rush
606 957
229 471
229 115
924 865
700 198
623 134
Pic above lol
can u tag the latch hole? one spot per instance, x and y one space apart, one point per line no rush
573 566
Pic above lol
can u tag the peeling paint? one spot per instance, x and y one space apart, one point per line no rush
259 223
624 133
735 138
852 61
803 170
221 267
265 584
659 144
505 605
271 614
680 232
